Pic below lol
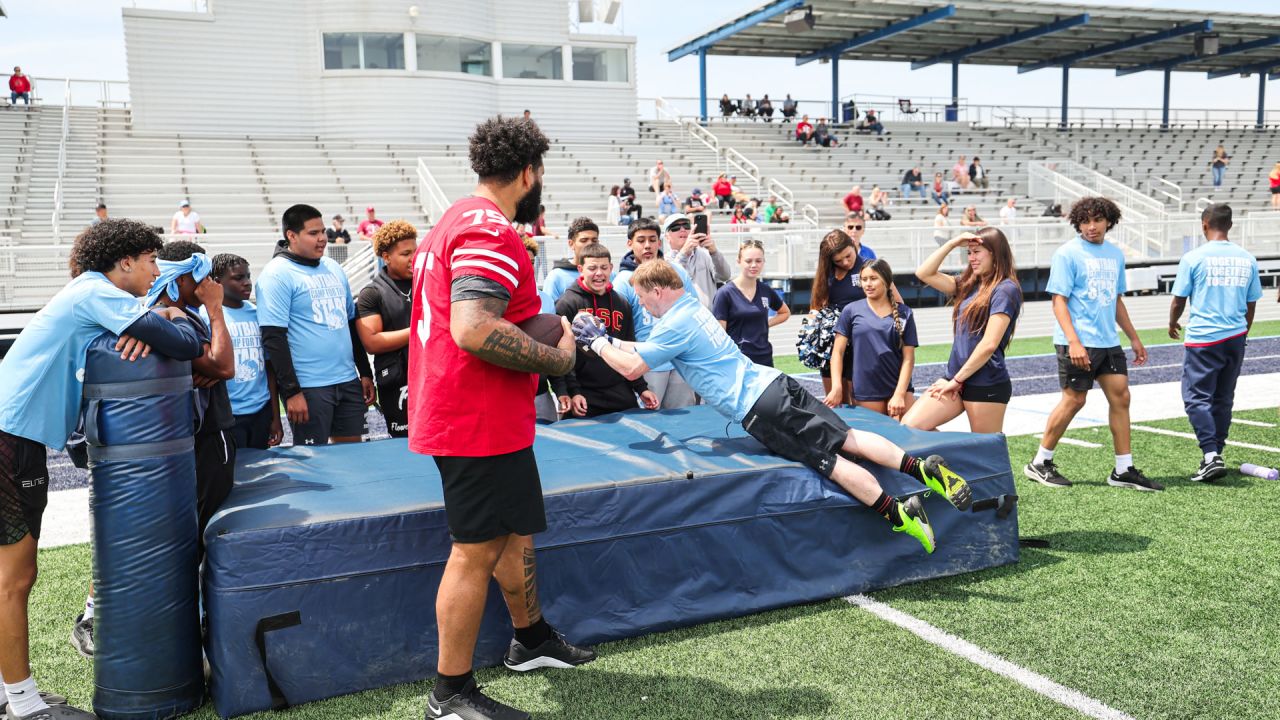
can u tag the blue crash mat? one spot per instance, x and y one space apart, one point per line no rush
323 565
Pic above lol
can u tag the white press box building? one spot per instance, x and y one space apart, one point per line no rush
373 69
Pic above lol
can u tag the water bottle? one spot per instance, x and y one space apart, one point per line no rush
1265 473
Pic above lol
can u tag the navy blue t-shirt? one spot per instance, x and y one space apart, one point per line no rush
843 292
747 321
873 340
1006 299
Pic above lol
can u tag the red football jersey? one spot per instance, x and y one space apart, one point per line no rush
460 405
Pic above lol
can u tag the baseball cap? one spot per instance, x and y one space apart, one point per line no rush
338 217
184 203
697 191
369 209
673 219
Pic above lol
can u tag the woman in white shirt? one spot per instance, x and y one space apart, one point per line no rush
186 221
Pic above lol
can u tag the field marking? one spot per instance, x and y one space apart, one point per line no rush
1136 368
1254 423
1073 441
1031 680
1189 436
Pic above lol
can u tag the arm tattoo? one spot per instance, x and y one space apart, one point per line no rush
506 346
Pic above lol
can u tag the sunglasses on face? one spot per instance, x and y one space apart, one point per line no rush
679 226
852 227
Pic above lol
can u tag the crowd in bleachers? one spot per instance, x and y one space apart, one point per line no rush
726 197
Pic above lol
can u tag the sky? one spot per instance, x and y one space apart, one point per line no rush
84 39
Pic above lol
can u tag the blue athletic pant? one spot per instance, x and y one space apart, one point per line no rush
1208 390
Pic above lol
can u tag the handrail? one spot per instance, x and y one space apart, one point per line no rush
62 164
1202 203
360 265
809 214
434 201
699 133
1066 180
1174 195
737 160
783 193
666 110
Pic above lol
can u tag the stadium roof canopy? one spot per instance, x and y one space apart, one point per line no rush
1028 34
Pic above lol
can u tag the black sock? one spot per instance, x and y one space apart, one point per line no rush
534 635
887 506
449 685
912 466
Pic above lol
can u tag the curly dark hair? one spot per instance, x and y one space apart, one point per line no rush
178 250
581 224
1088 208
101 246
223 262
501 148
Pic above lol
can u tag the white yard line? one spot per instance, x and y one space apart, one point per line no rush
66 519
1073 441
1254 423
1033 681
1189 436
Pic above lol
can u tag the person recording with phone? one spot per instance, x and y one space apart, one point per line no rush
695 251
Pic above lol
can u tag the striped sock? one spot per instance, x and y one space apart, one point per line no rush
887 506
911 466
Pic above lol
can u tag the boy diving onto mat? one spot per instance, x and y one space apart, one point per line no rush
771 406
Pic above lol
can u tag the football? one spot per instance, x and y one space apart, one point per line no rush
545 328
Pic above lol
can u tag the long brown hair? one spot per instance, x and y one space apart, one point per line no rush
981 288
881 268
831 245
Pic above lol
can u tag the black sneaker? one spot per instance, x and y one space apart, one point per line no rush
1046 474
48 698
554 653
82 636
54 712
471 704
1133 478
1210 470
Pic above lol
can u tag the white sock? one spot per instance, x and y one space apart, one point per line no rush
4 696
1041 455
88 608
1209 456
1123 463
24 698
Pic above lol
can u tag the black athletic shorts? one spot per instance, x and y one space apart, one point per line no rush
393 400
1102 361
215 473
488 497
24 488
794 424
334 411
254 429
825 370
999 393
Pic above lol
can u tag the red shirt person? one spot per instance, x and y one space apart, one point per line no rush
19 87
369 225
853 201
472 379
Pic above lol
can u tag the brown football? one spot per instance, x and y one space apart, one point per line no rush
545 328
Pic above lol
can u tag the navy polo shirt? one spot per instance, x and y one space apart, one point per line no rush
747 321
873 341
1006 299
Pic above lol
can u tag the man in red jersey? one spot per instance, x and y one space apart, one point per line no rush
472 378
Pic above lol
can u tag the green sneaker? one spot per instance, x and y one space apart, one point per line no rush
943 480
915 523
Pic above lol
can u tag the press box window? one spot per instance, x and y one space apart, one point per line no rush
363 51
452 54
537 62
600 64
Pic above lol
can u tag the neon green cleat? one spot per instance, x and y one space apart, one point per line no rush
942 480
915 523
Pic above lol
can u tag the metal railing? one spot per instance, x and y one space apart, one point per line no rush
739 162
360 265
696 132
1160 187
666 111
62 164
84 93
1065 181
434 201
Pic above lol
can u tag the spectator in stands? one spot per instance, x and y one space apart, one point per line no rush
872 122
836 282
613 209
627 196
960 174
804 130
538 228
1009 213
774 212
528 115
564 272
913 181
99 214
743 306
749 107
766 108
938 191
19 88
978 174
659 179
970 218
255 404
593 388
879 334
1219 164
185 221
336 234
695 203
789 108
822 135
698 255
727 107
308 320
369 225
853 201
940 224
723 190
383 310
1274 177
668 204
876 203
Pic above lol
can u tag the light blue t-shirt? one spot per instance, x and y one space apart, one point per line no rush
558 280
689 337
42 376
1221 278
314 304
1090 277
643 320
248 389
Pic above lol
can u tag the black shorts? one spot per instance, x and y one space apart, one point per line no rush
253 430
393 400
1102 361
1275 190
794 424
488 497
334 410
24 488
825 371
998 393
215 473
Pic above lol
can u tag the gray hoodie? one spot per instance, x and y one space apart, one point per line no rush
707 271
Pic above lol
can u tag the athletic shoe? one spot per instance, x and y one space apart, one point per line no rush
943 480
1210 470
48 698
915 522
470 704
1133 478
55 712
553 653
82 636
1046 474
